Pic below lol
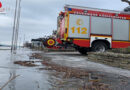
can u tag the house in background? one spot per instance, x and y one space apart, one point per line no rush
36 43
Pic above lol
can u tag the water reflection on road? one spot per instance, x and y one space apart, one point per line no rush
118 79
29 79
32 78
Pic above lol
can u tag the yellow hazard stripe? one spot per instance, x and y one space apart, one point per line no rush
122 41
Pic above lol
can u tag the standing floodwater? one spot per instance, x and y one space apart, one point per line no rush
30 78
57 71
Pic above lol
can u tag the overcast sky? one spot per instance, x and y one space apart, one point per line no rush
39 17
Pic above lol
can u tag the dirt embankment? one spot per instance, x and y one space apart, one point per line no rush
115 58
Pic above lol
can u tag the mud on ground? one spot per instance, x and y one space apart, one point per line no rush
67 78
73 78
26 63
31 62
111 80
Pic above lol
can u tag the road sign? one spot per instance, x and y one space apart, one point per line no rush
2 10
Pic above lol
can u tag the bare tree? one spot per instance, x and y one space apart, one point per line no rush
127 1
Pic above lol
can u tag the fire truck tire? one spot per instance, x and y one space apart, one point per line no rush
99 47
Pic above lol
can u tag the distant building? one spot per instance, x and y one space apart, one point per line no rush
37 43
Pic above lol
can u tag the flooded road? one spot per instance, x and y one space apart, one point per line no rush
74 59
32 78
116 78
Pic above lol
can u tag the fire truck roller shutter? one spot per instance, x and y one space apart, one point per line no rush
79 26
101 25
120 29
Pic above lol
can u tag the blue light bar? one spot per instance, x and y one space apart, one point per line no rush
69 9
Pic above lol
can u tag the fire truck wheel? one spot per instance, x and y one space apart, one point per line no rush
99 47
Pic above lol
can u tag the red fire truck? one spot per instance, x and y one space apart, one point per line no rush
91 29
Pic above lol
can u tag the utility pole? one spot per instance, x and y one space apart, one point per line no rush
13 34
16 25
